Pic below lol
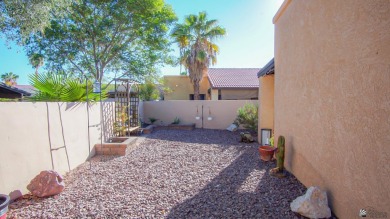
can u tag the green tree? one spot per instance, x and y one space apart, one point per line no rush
9 78
195 39
36 60
148 91
97 37
21 18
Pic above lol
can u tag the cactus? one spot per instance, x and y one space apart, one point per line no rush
280 154
279 170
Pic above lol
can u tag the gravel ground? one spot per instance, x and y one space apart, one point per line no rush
172 174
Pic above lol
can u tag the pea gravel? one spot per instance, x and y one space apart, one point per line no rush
172 174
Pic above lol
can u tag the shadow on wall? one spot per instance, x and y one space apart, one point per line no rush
230 194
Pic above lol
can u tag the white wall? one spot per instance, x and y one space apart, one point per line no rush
223 112
25 143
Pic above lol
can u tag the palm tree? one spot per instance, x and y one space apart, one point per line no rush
36 60
9 78
197 50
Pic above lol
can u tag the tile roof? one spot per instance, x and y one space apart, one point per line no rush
233 77
268 69
27 88
14 89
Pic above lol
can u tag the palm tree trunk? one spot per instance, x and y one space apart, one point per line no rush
196 90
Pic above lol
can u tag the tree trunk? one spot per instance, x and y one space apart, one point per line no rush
196 90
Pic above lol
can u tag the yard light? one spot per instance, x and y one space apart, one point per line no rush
96 87
209 117
265 136
197 117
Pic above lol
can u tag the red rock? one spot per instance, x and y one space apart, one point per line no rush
47 183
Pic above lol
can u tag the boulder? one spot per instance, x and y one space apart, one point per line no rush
246 137
47 183
313 204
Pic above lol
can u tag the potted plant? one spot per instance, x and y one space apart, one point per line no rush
267 151
4 202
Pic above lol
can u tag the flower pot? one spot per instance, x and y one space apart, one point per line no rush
4 202
266 152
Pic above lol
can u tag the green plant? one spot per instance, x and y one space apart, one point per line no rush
278 171
149 91
271 140
248 116
176 121
120 125
152 120
54 87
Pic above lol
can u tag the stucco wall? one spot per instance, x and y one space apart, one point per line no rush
332 92
266 100
25 143
182 87
239 94
223 112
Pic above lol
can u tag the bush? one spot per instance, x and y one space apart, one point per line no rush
247 116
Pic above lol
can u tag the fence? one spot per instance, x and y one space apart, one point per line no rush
33 136
221 112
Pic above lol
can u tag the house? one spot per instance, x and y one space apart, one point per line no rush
266 97
330 90
12 92
218 84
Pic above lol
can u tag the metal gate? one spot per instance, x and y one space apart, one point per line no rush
126 107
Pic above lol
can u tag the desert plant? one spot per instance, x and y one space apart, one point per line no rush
176 121
152 120
279 169
248 116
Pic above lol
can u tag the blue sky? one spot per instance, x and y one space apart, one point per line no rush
249 42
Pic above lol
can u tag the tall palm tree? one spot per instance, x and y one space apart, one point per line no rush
197 50
36 60
9 78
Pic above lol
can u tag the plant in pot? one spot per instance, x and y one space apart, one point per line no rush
4 202
267 151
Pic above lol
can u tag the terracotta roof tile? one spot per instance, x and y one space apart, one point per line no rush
233 77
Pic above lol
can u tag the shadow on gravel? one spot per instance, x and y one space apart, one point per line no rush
243 190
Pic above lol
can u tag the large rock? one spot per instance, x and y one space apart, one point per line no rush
313 204
47 183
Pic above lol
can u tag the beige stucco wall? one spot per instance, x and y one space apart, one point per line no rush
214 94
181 87
239 94
266 103
25 143
332 99
223 112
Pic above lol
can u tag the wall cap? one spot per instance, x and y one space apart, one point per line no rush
281 10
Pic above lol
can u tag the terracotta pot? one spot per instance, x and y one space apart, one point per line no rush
266 152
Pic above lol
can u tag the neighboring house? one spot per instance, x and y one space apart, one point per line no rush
218 84
330 92
12 92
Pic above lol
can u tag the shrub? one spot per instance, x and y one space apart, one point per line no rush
152 120
247 116
176 121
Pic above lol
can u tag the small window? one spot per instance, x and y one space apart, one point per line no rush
201 96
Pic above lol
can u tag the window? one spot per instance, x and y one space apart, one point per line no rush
201 96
